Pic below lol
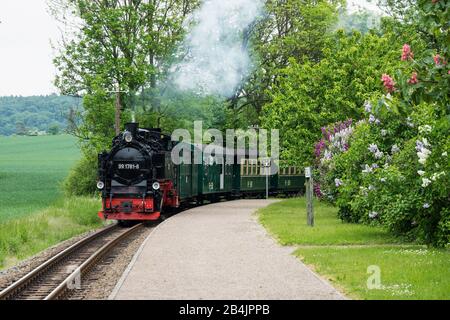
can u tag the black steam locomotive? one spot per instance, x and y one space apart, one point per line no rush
138 179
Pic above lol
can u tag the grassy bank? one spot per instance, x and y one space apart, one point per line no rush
343 253
31 169
286 220
28 235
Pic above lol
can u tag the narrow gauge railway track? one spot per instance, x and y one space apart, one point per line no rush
54 278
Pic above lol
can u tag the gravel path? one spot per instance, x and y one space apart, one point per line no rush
218 251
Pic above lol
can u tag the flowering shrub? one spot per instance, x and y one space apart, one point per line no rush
394 169
394 173
335 140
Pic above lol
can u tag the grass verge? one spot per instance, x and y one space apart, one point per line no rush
286 220
344 253
405 273
26 236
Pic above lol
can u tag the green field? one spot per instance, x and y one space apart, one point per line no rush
34 215
343 252
31 169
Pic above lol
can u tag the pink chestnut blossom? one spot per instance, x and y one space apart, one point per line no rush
413 79
437 59
407 54
388 83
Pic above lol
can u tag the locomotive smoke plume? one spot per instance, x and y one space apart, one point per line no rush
216 60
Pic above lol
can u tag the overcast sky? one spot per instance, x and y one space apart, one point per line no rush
26 32
25 52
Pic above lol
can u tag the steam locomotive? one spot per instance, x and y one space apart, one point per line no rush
139 181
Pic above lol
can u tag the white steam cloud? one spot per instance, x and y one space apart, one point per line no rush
216 60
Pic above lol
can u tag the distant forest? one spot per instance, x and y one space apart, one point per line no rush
35 114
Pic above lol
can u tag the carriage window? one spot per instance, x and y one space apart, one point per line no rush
254 167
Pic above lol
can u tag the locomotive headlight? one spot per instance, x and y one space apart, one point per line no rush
100 185
128 137
156 185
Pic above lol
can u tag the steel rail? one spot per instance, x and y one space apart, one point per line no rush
20 285
66 285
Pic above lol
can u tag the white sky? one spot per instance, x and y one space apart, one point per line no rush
25 52
26 32
370 5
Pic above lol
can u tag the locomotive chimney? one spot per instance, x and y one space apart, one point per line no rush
132 128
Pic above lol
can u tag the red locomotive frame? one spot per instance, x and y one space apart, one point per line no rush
128 208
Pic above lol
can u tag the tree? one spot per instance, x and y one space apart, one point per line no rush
120 47
292 30
21 129
311 95
53 129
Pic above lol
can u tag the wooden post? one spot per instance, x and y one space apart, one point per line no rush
309 196
118 111
266 163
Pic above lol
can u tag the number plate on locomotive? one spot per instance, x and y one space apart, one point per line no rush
128 166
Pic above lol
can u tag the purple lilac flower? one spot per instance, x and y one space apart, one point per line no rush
373 148
368 107
319 147
379 155
374 166
317 190
426 205
338 182
419 146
